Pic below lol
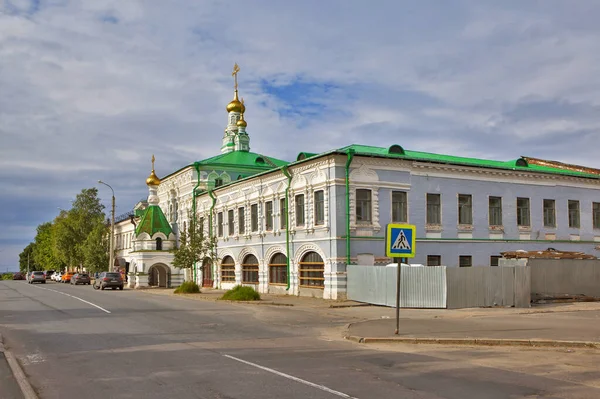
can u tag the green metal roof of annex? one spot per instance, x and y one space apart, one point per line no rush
243 159
153 221
521 164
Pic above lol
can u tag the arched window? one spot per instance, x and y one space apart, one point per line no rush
278 269
227 269
312 271
159 244
250 270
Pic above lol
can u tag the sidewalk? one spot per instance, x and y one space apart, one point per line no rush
562 324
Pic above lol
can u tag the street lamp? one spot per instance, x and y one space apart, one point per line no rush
112 228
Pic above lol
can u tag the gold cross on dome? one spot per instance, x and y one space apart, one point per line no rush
236 69
153 159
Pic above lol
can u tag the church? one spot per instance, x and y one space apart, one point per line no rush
293 227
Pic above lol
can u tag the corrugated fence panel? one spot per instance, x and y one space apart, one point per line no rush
367 284
522 287
423 287
565 276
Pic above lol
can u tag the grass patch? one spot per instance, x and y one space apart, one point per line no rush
239 293
188 287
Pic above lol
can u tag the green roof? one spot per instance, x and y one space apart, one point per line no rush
517 164
243 159
153 221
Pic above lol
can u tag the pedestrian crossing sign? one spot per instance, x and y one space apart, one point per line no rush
400 241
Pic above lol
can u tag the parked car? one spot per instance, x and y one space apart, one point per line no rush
18 276
37 277
49 274
66 277
57 277
109 280
81 278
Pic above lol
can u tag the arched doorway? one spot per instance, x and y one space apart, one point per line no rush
159 275
207 273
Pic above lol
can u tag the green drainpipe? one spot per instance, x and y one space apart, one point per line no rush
197 167
285 171
210 222
350 154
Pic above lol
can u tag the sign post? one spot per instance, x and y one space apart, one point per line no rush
400 244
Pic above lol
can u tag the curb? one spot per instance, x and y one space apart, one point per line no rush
476 341
26 388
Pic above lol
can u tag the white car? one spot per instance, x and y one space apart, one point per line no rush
57 276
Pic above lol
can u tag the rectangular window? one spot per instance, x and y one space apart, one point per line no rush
465 261
465 209
549 213
282 214
230 222
523 212
494 260
574 214
220 224
241 221
434 209
201 224
218 182
254 217
363 206
495 211
319 207
300 210
596 215
399 207
434 260
269 215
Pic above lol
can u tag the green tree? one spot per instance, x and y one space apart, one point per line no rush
27 256
44 253
96 248
194 246
72 228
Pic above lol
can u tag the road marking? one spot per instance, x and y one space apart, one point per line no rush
73 296
291 377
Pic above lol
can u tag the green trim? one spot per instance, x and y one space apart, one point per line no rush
285 171
350 155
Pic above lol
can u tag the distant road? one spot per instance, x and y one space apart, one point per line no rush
75 342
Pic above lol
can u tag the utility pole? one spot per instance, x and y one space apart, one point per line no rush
111 261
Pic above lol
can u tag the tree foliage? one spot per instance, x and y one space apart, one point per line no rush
44 252
195 245
26 257
96 248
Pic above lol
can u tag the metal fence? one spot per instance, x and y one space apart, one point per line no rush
558 277
441 286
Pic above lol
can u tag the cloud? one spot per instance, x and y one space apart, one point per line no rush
90 90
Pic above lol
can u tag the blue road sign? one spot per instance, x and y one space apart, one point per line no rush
400 241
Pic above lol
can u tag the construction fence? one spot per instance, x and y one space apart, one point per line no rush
440 286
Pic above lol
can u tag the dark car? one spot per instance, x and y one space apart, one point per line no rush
109 280
81 278
18 276
37 277
49 274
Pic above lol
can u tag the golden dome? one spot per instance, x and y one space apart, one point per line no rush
241 122
153 180
236 105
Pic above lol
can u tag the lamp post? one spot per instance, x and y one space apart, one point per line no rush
112 228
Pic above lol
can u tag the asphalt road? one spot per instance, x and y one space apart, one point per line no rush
75 342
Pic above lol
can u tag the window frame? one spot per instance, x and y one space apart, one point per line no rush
283 213
574 214
364 205
433 210
465 258
465 218
242 220
319 207
220 224
250 271
547 215
278 271
492 214
230 222
495 259
269 216
400 215
254 218
437 258
310 275
300 209
596 215
524 212
227 270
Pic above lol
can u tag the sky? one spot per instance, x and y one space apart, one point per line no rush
90 90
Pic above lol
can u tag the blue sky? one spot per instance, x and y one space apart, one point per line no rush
91 89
